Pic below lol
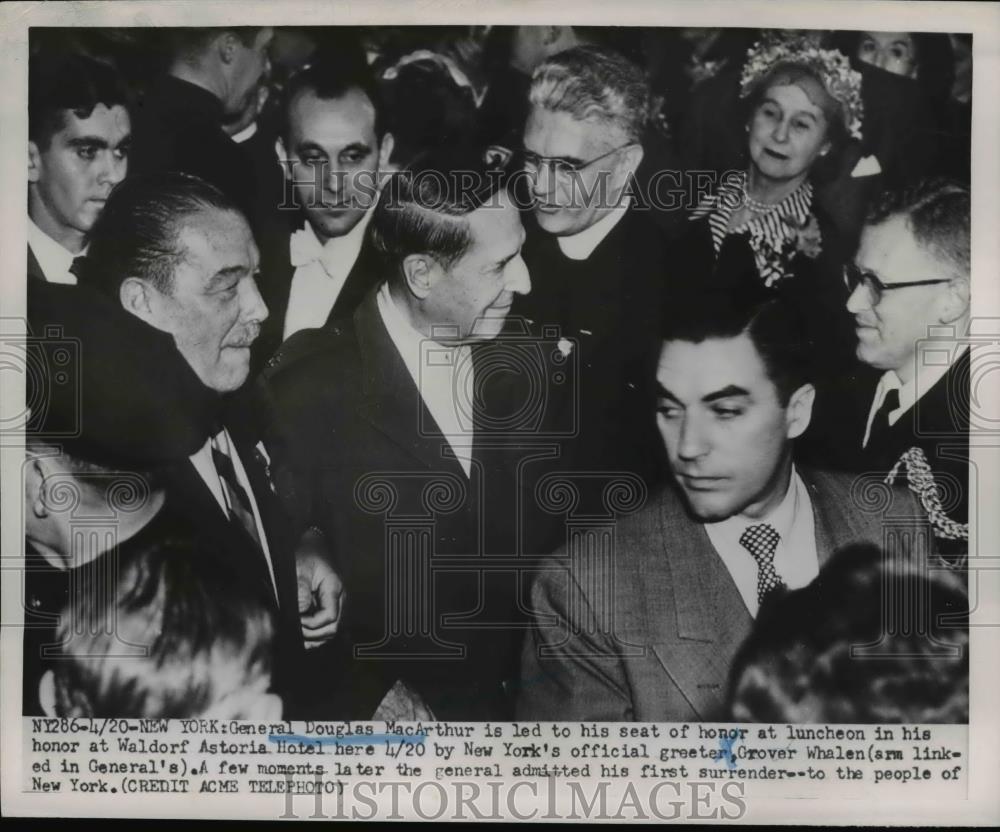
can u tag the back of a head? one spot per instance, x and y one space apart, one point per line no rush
863 643
592 83
138 230
937 212
173 637
424 209
68 82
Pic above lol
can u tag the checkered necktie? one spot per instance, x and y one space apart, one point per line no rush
240 509
761 541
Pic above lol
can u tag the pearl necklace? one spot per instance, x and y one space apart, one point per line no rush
757 207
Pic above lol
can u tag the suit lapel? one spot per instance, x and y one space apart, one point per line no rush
360 280
704 619
391 401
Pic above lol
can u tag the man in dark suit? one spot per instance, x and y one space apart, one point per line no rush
333 147
374 436
175 252
647 629
78 140
179 124
910 297
597 262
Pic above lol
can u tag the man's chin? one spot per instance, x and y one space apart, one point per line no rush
707 508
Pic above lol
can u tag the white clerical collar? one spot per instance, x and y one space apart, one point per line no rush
53 258
581 245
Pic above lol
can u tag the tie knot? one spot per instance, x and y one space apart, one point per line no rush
760 541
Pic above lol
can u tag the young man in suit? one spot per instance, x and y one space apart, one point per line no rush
648 631
374 435
910 298
598 262
176 252
78 142
334 149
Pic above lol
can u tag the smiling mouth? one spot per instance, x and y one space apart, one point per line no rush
774 154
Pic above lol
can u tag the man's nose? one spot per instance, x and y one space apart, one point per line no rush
542 181
252 306
859 300
517 278
113 169
692 442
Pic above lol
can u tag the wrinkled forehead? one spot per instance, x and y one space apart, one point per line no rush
811 88
557 133
216 234
692 370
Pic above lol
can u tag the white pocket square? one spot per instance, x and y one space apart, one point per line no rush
868 166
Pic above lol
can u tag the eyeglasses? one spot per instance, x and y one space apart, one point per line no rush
855 276
560 166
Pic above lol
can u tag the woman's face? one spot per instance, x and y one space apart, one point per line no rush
787 133
894 52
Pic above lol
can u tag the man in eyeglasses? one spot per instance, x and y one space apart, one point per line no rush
910 298
597 262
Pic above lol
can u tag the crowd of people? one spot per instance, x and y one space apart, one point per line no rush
472 373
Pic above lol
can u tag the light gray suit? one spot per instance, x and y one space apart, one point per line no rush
648 633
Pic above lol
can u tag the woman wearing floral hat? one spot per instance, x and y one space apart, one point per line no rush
760 232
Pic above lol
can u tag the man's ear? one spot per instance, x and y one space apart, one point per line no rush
226 45
798 414
631 158
421 272
135 296
34 485
34 162
955 301
283 160
385 151
47 693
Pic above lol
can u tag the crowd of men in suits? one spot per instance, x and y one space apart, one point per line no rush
429 436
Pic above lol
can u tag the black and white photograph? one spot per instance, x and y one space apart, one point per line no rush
597 405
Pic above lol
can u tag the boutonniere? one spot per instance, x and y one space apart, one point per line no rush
807 239
565 347
262 457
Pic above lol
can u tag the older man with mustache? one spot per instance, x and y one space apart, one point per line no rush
177 253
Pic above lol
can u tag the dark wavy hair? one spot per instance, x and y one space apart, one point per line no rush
846 648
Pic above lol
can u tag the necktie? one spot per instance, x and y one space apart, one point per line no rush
240 508
761 541
880 424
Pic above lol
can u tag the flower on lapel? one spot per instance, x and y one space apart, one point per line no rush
808 238
262 457
565 347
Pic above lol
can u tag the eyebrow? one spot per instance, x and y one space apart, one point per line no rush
727 392
224 274
90 141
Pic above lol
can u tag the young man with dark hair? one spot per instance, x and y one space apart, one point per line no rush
334 150
385 402
648 631
78 142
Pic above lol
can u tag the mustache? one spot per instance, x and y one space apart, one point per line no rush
245 337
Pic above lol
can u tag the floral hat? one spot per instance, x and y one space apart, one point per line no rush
841 81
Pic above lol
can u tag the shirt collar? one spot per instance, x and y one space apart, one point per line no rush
581 245
337 250
54 259
247 132
781 518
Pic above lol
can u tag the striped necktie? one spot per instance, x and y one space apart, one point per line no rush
237 499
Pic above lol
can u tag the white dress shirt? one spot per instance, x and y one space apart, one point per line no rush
581 245
205 466
929 372
795 558
53 259
321 270
443 375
